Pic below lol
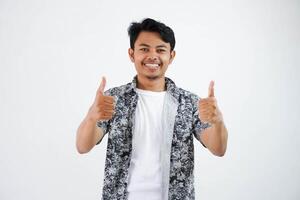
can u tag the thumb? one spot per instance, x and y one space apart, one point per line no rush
211 92
102 86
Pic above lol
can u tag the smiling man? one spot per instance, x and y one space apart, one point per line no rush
151 123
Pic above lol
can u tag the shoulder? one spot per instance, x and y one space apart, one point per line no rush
119 90
188 95
180 93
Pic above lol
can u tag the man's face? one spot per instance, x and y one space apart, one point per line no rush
151 55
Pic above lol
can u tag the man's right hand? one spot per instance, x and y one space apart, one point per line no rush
103 107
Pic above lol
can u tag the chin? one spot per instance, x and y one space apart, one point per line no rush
153 77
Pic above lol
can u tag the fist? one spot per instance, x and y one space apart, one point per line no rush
208 108
103 107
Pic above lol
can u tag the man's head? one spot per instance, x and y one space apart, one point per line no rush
150 25
151 48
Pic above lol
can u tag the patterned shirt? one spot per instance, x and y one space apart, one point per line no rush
180 123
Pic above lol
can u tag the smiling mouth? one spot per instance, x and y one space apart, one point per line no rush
152 65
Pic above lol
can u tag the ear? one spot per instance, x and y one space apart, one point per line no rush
173 53
131 54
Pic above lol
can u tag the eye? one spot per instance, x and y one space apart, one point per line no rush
161 50
143 49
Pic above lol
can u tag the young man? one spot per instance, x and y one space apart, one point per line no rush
150 124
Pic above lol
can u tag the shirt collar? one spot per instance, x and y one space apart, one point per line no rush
170 86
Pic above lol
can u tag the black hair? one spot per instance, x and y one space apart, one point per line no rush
150 25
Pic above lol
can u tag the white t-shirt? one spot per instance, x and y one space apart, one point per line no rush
145 171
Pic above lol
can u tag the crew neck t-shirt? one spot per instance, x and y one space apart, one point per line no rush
145 171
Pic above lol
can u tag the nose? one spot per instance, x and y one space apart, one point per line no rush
152 56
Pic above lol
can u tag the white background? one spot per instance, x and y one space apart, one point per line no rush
52 57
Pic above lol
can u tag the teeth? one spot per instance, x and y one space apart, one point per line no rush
151 65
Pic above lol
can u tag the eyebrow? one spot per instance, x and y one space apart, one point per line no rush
159 46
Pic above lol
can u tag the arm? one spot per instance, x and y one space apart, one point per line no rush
88 133
215 138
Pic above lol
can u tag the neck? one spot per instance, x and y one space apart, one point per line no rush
155 85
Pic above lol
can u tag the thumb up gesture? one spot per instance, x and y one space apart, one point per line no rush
103 107
208 108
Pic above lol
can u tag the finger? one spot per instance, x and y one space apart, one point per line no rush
207 105
209 99
108 107
212 104
211 92
109 99
105 117
207 113
108 114
102 85
204 104
103 108
103 100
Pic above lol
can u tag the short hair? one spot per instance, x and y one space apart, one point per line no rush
151 25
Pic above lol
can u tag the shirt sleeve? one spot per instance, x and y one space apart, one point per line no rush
198 125
104 124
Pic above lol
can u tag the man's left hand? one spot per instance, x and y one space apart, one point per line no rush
208 108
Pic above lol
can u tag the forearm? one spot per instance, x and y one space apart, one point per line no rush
87 135
217 141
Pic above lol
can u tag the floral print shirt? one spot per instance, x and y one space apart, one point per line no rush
181 123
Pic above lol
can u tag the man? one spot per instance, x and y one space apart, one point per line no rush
150 124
